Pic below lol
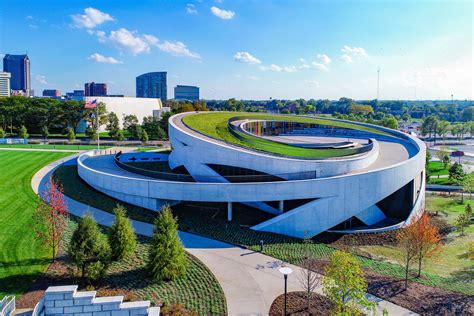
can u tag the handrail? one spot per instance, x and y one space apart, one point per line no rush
7 305
304 175
236 131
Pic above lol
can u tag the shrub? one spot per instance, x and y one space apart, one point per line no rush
71 136
23 132
166 258
88 249
122 238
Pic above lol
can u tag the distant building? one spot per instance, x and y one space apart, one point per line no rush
4 84
140 107
19 68
190 93
75 95
51 93
93 89
152 85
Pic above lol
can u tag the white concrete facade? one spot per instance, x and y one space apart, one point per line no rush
339 190
141 107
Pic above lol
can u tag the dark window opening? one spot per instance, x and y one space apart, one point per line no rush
237 174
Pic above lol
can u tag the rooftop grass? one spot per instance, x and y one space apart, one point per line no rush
214 124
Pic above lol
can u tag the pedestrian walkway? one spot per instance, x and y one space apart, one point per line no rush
250 280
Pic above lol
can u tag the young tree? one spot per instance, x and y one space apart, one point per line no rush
51 216
122 238
91 132
344 284
468 184
70 135
308 279
428 240
88 249
22 132
441 154
144 137
2 133
462 222
457 176
45 132
407 243
113 124
468 211
166 257
120 136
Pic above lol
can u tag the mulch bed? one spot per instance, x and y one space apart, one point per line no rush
419 298
297 305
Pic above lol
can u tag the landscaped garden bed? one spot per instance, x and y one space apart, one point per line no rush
199 291
297 305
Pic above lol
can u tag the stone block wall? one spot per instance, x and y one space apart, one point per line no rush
66 300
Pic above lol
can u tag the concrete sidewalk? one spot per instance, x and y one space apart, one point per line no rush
250 280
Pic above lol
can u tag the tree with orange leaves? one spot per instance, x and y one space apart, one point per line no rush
418 241
51 216
427 240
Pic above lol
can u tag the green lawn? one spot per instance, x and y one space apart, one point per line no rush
21 260
450 262
215 125
51 146
437 168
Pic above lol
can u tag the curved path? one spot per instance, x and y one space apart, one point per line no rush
250 280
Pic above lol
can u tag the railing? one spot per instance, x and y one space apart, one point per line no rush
7 305
246 136
38 311
305 175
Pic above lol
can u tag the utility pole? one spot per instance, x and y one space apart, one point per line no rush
378 82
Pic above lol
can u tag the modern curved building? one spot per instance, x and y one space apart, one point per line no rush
311 174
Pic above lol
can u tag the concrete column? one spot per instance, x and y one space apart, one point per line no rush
281 206
229 211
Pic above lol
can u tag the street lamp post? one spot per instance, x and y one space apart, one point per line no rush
285 271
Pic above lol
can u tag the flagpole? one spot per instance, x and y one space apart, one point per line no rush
98 134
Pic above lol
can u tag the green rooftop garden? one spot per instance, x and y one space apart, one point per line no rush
214 124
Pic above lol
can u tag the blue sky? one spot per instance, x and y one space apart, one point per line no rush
249 49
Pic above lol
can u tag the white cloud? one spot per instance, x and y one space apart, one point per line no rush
324 59
354 51
126 40
319 66
191 9
103 59
313 83
346 58
246 58
276 68
302 60
304 66
136 43
33 26
222 14
29 17
91 18
177 49
41 79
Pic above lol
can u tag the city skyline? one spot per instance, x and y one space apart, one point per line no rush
254 50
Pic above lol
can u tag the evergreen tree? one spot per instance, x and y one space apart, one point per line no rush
144 137
166 258
88 249
2 133
122 238
22 132
113 124
70 135
120 136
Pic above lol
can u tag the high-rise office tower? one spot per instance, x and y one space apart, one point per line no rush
190 93
4 84
152 85
93 89
19 68
51 93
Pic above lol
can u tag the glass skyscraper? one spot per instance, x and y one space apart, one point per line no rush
93 89
190 93
152 85
19 68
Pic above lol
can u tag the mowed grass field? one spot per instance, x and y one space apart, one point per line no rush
21 260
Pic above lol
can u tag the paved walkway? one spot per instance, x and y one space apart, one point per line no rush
250 280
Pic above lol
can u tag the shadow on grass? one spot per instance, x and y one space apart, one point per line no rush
25 263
